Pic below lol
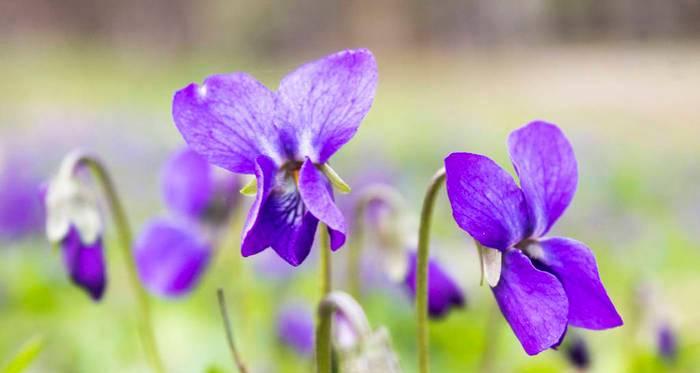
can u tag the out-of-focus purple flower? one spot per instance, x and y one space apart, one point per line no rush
85 263
443 292
171 257
285 138
545 283
577 352
295 329
666 343
73 221
197 190
21 212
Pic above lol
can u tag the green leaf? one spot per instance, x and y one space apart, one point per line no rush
250 189
26 355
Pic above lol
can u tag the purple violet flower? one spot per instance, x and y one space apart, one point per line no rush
443 291
578 353
173 253
171 256
285 138
295 329
545 283
666 342
196 190
85 263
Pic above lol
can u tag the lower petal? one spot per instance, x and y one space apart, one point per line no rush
533 302
171 257
317 194
575 266
279 217
85 263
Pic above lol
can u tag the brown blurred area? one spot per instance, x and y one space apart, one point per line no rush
272 27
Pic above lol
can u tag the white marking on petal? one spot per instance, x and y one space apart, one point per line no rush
202 91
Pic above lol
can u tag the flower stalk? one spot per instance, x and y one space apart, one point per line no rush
125 240
323 328
422 271
237 360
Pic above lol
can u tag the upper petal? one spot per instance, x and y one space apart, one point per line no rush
171 257
575 266
324 101
546 165
533 302
186 183
85 263
278 218
485 200
229 119
317 194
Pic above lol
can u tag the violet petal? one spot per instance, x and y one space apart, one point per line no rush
229 119
575 266
323 102
485 200
533 302
278 218
317 194
546 165
186 183
171 257
85 263
443 291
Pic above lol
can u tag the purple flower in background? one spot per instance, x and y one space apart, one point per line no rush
545 283
443 291
295 329
577 352
74 222
85 263
285 138
197 190
173 253
666 342
21 212
171 256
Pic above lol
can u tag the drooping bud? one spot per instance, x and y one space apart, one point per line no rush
359 348
577 352
666 343
70 203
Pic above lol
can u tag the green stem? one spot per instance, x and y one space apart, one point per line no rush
422 271
323 329
237 360
125 241
372 193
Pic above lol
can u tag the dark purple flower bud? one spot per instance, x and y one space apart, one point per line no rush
295 329
21 212
197 190
171 257
443 291
85 263
285 138
546 283
666 343
577 352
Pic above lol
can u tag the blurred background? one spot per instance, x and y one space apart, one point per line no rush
620 77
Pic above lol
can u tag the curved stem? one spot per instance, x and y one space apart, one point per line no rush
323 329
367 195
229 332
422 270
125 240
